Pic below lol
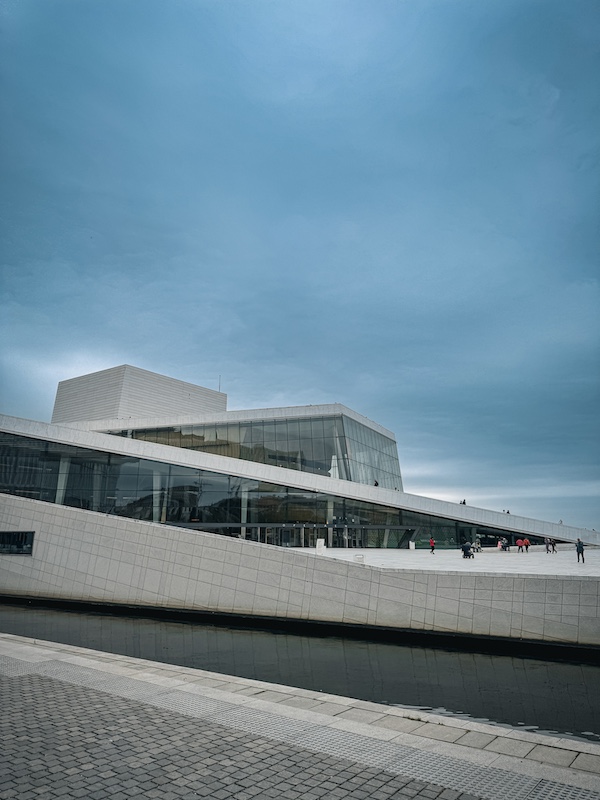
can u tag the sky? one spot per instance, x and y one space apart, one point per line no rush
389 204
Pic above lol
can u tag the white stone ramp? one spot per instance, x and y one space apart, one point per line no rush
489 561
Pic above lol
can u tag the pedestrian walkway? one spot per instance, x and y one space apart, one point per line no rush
82 723
490 560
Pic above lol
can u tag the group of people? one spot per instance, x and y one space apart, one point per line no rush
469 550
523 545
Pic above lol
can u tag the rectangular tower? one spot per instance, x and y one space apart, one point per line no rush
125 391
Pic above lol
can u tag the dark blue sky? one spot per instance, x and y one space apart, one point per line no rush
389 204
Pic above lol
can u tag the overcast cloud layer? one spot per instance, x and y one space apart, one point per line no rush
389 204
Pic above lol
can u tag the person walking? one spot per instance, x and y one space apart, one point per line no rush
547 543
553 545
519 545
432 544
526 544
579 548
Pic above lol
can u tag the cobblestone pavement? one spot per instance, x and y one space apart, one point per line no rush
60 740
77 723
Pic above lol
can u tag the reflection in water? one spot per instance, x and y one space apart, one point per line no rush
550 696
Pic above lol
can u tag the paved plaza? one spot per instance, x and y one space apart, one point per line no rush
79 723
490 560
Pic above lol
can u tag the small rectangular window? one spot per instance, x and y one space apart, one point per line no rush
16 543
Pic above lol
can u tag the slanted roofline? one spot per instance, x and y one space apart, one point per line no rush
242 415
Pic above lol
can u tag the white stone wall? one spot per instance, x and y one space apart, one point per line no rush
125 391
81 555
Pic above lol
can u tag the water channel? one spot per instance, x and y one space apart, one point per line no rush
557 697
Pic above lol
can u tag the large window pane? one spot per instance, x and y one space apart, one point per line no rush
293 429
281 430
269 432
257 433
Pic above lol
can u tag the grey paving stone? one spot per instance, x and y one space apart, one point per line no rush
475 739
300 702
360 715
400 724
587 762
109 745
443 733
510 747
552 755
331 709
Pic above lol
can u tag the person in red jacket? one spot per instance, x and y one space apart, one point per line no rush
432 544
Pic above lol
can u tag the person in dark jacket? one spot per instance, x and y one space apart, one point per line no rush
467 552
579 549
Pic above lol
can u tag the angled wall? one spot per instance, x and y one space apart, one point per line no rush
88 556
125 391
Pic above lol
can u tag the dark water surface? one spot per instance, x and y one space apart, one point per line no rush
555 697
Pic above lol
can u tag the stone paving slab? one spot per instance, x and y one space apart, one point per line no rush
50 685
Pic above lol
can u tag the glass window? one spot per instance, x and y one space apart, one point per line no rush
211 482
257 451
281 432
245 434
221 433
16 542
257 433
329 428
293 429
317 431
144 489
267 503
183 475
240 486
213 507
162 435
301 507
233 433
307 456
321 462
269 432
175 437
210 434
305 430
198 435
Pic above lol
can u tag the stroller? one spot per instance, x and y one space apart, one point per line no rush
467 551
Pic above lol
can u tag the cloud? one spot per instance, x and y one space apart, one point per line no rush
389 205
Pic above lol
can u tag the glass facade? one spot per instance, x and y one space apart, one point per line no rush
200 499
335 446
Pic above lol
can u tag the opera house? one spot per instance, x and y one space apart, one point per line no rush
145 490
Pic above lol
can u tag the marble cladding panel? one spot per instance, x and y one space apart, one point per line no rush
85 556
